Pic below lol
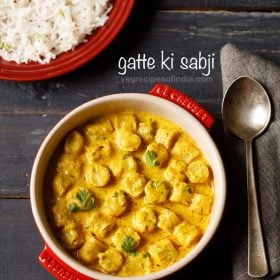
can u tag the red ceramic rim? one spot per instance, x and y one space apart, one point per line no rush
71 60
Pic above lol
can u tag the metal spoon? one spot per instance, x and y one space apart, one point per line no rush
246 112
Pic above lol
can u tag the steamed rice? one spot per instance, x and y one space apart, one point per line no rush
39 30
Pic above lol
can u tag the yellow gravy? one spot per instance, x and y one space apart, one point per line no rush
129 193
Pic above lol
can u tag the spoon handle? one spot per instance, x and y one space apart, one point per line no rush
257 263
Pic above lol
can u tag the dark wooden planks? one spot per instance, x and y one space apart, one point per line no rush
214 4
184 33
21 245
20 138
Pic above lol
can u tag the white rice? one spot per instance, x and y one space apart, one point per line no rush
39 30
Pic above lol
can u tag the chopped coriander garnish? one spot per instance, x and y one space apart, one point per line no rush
61 13
83 197
153 183
129 244
37 36
86 200
73 207
6 46
150 158
127 155
147 255
133 254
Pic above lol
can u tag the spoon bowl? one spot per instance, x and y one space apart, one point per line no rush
246 112
246 108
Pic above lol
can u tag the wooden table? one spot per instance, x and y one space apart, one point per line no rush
29 110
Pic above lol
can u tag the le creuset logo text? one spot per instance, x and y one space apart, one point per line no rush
57 269
185 102
202 63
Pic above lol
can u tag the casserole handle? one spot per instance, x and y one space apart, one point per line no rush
58 268
185 102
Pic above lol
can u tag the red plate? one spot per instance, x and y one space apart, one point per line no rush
71 60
